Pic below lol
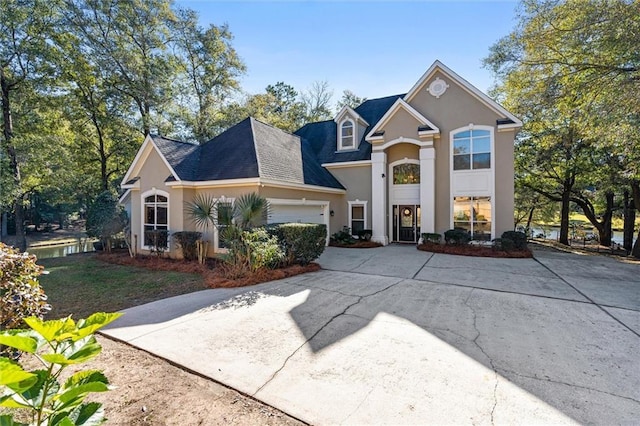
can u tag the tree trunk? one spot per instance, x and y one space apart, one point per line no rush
564 216
604 231
530 219
635 186
14 166
629 221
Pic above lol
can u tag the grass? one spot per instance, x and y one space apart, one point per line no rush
82 284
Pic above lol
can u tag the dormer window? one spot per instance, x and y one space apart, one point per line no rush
347 139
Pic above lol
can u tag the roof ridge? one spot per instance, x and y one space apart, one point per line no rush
174 140
274 127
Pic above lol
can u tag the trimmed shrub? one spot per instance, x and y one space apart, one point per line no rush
431 237
365 234
20 293
262 250
302 242
457 236
518 238
343 237
186 240
504 244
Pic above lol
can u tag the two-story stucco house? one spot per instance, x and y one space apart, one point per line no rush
438 157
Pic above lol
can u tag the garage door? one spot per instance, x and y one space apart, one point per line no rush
297 214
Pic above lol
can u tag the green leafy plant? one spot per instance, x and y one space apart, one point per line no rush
56 344
431 237
365 234
253 250
188 242
343 237
518 238
457 236
303 242
21 295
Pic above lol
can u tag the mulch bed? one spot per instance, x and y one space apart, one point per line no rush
213 271
357 244
472 250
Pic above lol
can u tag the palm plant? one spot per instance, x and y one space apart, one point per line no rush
203 212
251 210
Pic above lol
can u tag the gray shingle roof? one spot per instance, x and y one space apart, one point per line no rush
322 135
250 149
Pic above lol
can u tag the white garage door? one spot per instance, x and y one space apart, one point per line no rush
297 214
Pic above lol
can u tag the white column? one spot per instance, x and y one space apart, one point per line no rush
428 189
379 197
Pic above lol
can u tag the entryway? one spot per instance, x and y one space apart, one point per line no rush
406 223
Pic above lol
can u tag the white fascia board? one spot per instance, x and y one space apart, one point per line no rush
360 163
400 103
296 202
124 196
138 157
148 140
439 66
508 127
303 186
347 109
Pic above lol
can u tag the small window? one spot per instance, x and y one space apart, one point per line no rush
472 150
347 140
406 174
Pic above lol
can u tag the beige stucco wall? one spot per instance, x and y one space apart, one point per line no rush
401 124
401 151
504 201
454 109
337 202
357 180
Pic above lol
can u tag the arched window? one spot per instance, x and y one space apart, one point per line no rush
347 139
406 174
156 219
472 150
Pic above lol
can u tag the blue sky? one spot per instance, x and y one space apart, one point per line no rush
373 48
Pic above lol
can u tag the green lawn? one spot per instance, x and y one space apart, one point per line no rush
82 284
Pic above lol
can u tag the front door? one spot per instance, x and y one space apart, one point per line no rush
406 223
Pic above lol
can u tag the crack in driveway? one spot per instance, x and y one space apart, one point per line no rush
475 342
360 299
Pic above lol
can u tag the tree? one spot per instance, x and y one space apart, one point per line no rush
572 58
24 64
211 67
349 99
105 218
317 102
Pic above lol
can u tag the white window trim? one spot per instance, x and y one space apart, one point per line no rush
144 195
357 203
216 232
492 193
354 146
471 127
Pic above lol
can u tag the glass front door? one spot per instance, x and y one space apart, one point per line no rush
406 223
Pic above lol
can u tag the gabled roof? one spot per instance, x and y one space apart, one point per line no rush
439 66
322 135
425 124
348 110
250 149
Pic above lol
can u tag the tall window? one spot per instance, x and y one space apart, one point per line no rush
472 150
156 221
406 174
357 216
225 215
346 135
473 214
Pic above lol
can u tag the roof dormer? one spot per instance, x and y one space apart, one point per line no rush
350 127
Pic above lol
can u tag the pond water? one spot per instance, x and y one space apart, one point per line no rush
552 233
61 250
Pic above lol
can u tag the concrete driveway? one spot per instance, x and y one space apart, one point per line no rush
397 336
